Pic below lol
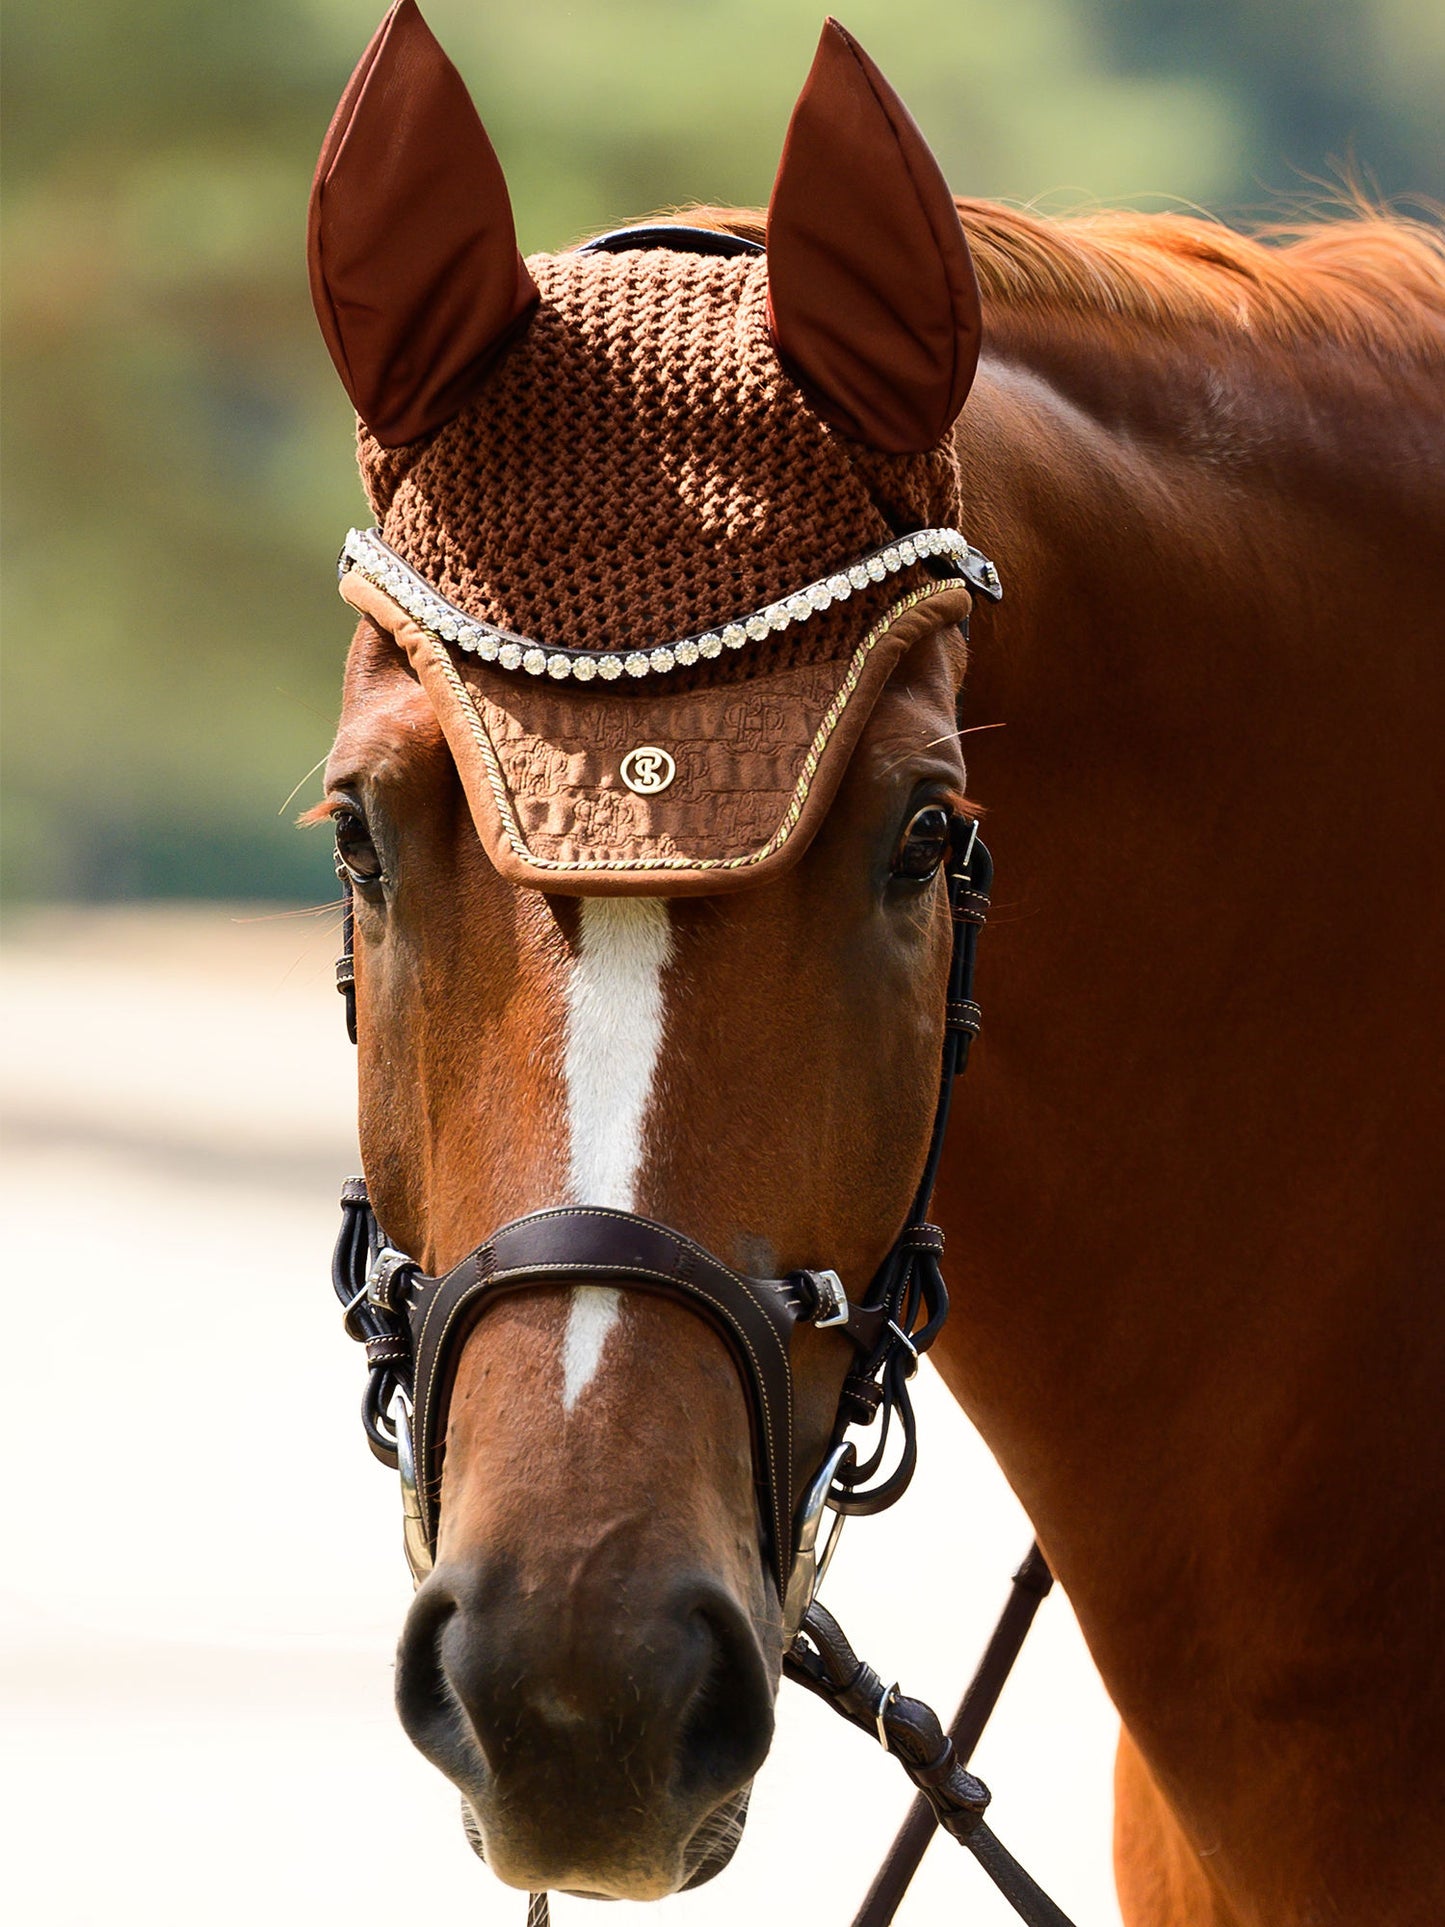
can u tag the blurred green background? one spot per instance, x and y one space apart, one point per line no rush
178 466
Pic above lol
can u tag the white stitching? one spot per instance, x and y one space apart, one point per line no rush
480 1285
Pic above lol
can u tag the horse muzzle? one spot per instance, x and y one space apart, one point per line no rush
600 1697
605 1750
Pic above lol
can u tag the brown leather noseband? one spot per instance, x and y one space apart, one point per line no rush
587 1244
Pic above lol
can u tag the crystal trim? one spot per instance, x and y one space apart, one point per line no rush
369 556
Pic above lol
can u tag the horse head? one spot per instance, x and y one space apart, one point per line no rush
645 789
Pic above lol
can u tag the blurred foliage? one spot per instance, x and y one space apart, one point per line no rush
178 454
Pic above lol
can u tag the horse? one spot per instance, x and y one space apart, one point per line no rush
649 860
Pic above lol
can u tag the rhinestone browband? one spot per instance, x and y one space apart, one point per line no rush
369 556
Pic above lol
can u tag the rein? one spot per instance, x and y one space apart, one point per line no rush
413 1326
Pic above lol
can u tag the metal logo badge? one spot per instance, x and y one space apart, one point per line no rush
646 770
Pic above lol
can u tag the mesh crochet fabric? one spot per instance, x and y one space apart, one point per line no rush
640 468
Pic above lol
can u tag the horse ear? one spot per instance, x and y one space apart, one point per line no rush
871 291
415 272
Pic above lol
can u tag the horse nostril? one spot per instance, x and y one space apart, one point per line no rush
425 1702
727 1725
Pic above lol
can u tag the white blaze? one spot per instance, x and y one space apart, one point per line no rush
614 1039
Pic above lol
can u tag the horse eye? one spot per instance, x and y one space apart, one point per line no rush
923 844
356 856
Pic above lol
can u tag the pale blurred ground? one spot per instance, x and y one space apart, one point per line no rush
203 1578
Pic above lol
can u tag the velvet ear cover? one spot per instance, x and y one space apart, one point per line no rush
872 297
415 272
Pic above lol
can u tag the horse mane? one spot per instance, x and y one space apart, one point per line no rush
1372 282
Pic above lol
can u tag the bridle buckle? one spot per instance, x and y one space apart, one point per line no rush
810 1567
386 1267
415 1542
906 1341
887 1697
832 1299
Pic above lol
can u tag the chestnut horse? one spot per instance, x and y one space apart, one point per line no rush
1192 1194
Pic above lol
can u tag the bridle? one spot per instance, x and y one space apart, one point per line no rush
413 1327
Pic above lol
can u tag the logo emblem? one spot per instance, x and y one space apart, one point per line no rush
646 770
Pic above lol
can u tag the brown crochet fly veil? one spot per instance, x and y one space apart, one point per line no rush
655 518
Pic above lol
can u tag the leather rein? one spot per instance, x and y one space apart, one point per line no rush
413 1326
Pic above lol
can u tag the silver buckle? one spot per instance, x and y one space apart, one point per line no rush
908 1344
413 1531
348 1309
832 1299
880 1714
809 1568
385 1268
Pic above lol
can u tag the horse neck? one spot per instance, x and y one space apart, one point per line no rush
1191 1192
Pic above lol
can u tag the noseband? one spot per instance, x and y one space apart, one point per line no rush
413 1326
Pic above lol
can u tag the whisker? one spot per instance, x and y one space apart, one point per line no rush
719 1834
952 736
320 763
307 953
302 703
306 910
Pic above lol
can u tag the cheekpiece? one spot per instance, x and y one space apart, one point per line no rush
365 552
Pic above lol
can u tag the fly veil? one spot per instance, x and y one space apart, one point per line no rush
641 496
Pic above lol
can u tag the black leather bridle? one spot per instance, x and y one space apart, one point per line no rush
413 1327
